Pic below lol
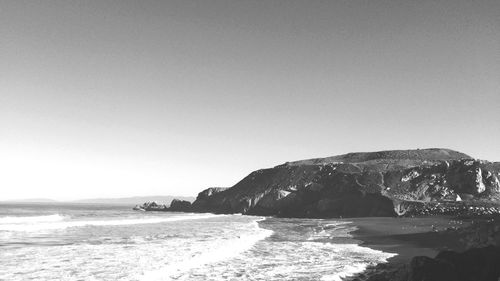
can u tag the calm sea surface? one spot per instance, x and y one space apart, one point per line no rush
96 242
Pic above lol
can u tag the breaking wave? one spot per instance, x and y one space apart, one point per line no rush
56 221
94 245
31 219
211 251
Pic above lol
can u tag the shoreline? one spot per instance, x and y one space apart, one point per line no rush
436 245
407 237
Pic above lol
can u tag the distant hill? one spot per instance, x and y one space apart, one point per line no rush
134 200
30 200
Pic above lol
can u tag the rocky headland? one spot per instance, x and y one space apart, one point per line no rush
385 183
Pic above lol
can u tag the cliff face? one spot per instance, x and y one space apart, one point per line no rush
385 183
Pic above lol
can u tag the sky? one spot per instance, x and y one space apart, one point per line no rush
125 98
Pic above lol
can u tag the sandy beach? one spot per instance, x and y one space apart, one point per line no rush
408 237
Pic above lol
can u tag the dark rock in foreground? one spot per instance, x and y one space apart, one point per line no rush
478 264
425 268
470 253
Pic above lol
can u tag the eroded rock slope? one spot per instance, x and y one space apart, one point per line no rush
385 183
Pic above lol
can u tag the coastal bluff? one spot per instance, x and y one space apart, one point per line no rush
384 183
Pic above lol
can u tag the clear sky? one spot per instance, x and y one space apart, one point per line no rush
122 98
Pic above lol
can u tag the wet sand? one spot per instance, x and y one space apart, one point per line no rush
408 237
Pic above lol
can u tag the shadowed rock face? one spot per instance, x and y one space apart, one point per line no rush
179 206
385 183
204 201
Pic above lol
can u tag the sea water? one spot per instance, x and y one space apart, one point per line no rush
105 242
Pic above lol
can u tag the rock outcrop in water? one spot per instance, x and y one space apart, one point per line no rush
151 206
385 183
175 206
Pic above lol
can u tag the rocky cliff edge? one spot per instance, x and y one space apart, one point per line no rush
384 183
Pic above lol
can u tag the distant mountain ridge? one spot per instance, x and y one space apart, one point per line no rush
124 200
30 200
135 200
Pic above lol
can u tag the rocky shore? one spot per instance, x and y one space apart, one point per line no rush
469 253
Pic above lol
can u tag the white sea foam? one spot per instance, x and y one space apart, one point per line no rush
295 259
31 219
277 261
348 271
204 248
213 251
55 222
162 252
331 230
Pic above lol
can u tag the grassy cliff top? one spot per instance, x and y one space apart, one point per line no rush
429 154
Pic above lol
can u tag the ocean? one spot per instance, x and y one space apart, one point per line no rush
105 242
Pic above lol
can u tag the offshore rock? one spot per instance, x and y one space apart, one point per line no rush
151 206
